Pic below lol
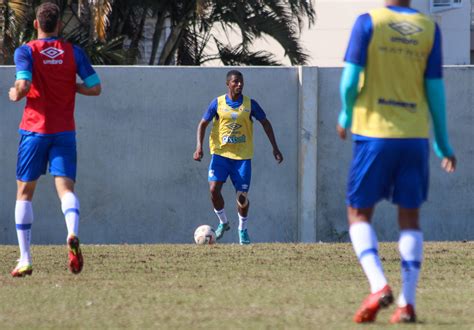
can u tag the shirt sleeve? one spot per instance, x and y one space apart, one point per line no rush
361 35
211 111
24 63
257 111
84 68
434 66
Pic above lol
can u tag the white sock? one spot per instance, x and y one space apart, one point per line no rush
242 222
365 246
221 215
24 220
410 245
70 208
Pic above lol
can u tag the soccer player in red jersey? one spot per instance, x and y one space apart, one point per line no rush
46 71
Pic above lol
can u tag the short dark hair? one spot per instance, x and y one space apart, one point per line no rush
47 15
233 73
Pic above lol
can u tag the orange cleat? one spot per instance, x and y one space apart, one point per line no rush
405 314
75 255
22 270
371 305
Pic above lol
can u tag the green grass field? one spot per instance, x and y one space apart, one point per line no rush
261 286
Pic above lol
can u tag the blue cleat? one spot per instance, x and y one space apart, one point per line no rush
221 229
244 238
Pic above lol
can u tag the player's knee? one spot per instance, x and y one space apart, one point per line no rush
242 199
215 192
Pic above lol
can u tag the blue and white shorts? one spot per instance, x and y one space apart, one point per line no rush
240 171
394 169
36 151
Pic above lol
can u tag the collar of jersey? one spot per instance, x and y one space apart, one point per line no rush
406 10
234 104
49 38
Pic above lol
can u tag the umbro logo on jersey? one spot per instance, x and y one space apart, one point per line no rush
405 28
52 53
233 126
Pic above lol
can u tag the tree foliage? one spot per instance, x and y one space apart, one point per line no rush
183 32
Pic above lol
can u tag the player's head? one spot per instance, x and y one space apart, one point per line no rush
400 3
47 17
235 82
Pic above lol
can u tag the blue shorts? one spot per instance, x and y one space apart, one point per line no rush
36 151
394 169
240 171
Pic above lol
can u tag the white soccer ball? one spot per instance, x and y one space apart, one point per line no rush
204 235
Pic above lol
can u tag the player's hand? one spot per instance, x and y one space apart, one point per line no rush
449 164
198 154
341 132
13 94
278 156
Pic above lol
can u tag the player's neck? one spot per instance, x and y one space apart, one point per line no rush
398 3
234 97
43 35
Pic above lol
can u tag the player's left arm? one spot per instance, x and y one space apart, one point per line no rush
90 85
24 69
258 113
436 97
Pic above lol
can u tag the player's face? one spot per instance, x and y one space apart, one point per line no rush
235 84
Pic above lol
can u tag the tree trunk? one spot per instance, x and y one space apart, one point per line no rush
136 39
3 14
171 43
160 20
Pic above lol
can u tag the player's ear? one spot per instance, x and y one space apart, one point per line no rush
35 24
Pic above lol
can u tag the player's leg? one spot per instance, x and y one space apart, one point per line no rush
31 164
410 191
63 163
369 182
365 243
240 175
24 220
410 246
217 176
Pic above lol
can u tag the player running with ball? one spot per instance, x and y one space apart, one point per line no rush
231 145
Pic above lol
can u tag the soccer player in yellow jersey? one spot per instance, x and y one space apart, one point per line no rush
231 144
391 84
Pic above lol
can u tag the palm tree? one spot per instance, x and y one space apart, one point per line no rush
183 30
190 26
84 22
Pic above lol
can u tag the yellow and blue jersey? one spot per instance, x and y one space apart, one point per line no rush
398 48
232 131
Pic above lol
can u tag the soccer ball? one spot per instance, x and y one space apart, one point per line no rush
204 235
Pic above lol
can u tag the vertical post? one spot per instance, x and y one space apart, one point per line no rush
307 155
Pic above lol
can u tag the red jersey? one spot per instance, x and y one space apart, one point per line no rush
50 102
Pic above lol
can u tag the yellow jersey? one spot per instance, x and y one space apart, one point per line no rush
391 101
232 131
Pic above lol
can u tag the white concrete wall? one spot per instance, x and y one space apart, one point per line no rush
137 182
326 41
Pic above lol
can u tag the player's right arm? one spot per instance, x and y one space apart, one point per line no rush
210 113
355 61
436 97
24 69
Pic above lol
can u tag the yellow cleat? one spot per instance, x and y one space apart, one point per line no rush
22 270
